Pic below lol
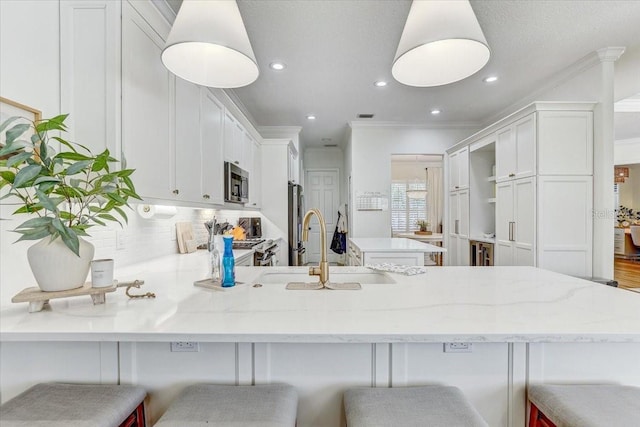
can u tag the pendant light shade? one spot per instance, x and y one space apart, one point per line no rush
208 45
441 43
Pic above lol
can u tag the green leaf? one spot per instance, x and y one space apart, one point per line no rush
8 122
78 167
68 236
45 201
79 231
13 133
46 186
31 208
10 149
65 143
116 198
125 172
108 217
18 158
8 176
44 150
68 155
26 175
121 213
75 182
130 193
37 234
55 123
35 222
42 179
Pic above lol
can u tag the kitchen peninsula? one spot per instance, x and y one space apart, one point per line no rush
525 325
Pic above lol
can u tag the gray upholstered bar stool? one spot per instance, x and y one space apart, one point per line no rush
76 405
584 405
228 405
432 406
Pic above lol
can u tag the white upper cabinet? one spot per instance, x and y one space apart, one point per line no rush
459 169
211 139
147 108
565 142
187 141
237 143
516 150
90 58
255 177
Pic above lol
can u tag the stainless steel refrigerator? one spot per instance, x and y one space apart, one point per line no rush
296 213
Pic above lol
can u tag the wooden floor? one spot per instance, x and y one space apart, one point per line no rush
627 273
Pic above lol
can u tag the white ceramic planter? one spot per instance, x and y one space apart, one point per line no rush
56 267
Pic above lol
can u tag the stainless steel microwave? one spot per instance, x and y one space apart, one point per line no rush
236 184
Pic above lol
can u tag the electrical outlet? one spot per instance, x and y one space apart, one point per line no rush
458 347
119 240
185 346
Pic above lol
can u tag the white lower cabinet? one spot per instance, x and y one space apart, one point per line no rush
515 222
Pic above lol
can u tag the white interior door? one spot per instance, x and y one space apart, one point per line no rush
322 192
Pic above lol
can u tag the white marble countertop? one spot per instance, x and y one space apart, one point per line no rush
478 304
393 244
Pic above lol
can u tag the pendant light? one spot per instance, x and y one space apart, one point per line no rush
415 193
441 43
208 45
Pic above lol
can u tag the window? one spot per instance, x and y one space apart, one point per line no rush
405 211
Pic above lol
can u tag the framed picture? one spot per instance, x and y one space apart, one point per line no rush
9 108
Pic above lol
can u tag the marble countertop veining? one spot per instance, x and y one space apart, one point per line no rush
446 304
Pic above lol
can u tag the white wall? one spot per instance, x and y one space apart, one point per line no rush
627 151
371 150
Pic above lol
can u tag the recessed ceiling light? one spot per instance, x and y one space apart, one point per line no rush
278 66
311 117
490 79
435 111
380 83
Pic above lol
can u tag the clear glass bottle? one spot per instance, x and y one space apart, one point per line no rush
228 264
214 259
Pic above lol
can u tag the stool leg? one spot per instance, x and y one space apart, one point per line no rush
136 419
537 418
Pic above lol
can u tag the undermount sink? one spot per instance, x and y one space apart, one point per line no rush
343 277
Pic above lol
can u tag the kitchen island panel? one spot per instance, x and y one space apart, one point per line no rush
24 364
482 374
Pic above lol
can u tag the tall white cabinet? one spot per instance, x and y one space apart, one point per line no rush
543 188
458 228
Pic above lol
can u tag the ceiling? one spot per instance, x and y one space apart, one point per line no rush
334 50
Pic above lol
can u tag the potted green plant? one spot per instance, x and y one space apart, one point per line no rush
65 192
423 225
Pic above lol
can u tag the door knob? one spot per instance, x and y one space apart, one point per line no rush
176 191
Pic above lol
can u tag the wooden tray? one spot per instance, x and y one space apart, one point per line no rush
422 233
38 298
216 285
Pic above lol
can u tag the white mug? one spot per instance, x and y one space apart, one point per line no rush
101 273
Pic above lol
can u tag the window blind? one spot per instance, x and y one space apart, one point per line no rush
405 212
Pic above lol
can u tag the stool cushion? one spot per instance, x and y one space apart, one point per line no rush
432 406
588 405
71 405
229 405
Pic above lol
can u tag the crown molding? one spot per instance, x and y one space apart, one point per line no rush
279 131
405 125
581 65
